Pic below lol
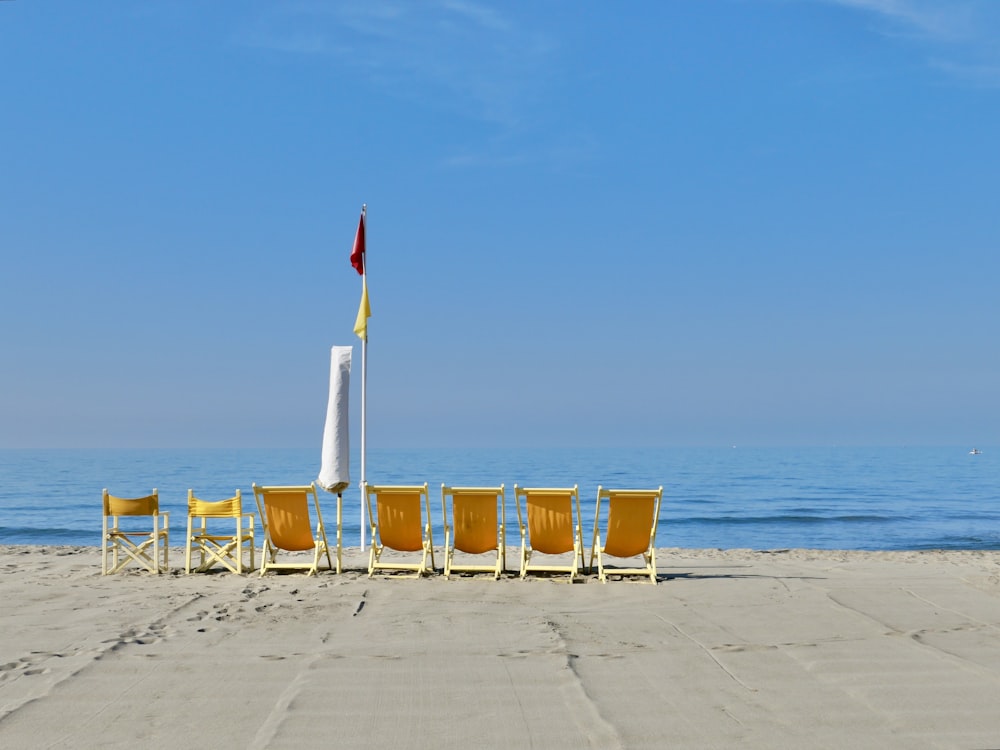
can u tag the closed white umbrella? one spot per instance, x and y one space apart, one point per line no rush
334 473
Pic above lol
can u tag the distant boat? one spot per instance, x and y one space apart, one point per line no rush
975 452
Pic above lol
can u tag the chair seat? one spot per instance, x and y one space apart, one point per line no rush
550 525
397 523
476 527
287 527
632 517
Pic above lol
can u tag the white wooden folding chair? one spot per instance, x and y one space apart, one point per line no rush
215 545
134 531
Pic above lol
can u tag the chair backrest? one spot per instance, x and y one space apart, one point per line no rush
228 508
285 514
632 517
476 518
398 513
551 525
131 506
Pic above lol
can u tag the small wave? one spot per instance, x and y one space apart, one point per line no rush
30 535
959 543
972 516
869 518
789 519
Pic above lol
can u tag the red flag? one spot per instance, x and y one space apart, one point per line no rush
358 253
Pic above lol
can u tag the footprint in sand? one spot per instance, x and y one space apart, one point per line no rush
249 593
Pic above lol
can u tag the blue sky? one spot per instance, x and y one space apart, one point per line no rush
754 222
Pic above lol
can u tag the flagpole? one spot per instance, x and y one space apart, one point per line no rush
364 389
364 420
359 261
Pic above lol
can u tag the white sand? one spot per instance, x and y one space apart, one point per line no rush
796 649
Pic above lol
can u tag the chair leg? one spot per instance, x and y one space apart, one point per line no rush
156 550
423 559
263 557
166 551
340 525
593 548
250 543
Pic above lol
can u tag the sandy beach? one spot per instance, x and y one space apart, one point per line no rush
735 648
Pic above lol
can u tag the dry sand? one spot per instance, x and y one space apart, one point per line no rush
790 649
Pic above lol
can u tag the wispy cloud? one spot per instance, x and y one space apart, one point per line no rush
467 56
471 60
931 19
484 16
959 37
984 75
562 151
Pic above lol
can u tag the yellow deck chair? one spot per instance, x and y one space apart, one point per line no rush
126 539
631 530
553 527
477 527
214 545
286 523
397 523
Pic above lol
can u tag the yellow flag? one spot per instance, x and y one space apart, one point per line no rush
364 312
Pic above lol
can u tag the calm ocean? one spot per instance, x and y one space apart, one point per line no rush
822 498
